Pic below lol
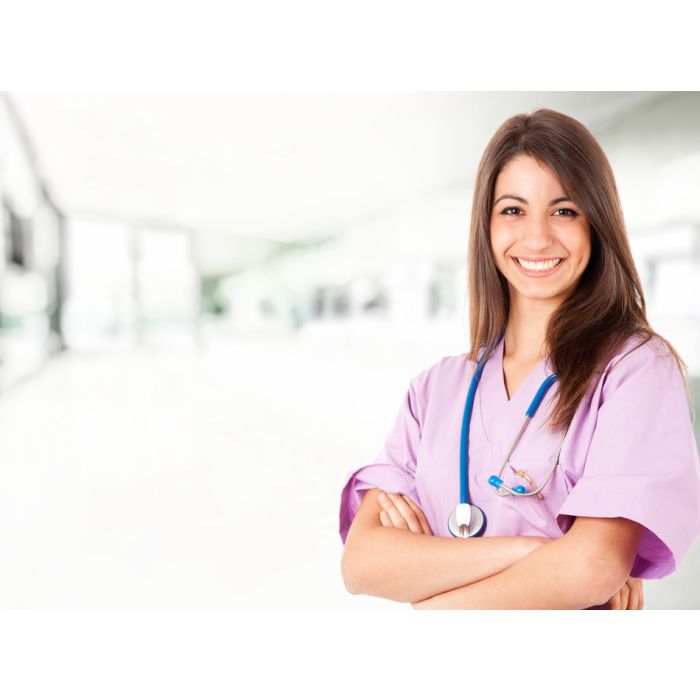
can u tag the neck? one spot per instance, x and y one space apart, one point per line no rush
524 339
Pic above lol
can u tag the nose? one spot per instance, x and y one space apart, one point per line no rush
537 236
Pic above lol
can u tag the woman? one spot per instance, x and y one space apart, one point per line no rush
609 459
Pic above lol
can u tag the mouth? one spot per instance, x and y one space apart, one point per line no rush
537 267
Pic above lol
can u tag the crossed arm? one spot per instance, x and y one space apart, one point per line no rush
402 561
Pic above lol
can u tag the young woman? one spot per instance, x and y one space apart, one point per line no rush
600 487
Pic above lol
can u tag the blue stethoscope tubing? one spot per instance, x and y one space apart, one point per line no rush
464 442
476 516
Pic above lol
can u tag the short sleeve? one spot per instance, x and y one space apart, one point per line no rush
643 462
394 468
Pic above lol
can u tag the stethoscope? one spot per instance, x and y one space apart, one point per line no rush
467 519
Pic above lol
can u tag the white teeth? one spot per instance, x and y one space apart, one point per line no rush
542 265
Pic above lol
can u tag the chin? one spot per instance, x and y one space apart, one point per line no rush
541 294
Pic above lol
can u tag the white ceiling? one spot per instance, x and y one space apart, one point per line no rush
276 166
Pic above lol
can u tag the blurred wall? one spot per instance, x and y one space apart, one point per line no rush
31 282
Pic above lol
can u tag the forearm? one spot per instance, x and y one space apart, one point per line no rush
560 575
408 567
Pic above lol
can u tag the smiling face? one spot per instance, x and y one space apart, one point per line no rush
533 220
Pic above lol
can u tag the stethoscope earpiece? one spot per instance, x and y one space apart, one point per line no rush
497 483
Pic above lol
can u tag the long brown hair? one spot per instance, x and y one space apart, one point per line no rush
607 307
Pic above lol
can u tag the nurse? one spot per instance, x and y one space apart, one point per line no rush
608 466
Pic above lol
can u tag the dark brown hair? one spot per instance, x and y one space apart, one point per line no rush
607 306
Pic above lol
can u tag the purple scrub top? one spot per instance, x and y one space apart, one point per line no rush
630 452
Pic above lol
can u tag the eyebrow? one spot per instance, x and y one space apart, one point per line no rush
524 201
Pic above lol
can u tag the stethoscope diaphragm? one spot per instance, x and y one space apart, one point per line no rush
466 520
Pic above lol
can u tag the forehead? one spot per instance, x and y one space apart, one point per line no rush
525 173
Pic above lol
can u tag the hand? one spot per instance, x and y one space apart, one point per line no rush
399 511
629 597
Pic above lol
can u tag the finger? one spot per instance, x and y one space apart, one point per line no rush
624 596
385 506
406 512
639 582
633 603
615 601
639 590
388 505
419 514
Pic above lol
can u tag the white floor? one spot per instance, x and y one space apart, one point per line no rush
161 478
202 478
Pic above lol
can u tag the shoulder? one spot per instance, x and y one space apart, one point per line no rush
639 359
446 368
446 374
639 351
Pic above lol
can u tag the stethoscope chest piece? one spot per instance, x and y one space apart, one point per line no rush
466 520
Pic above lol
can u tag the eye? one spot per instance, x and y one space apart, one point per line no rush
571 213
507 209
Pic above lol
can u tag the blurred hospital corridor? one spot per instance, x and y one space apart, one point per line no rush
197 478
211 306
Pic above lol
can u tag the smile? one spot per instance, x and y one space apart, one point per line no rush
538 268
539 264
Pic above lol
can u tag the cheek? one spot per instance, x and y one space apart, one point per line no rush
498 247
500 240
585 249
586 258
578 243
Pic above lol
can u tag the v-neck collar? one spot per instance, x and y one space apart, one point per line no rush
528 387
501 417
